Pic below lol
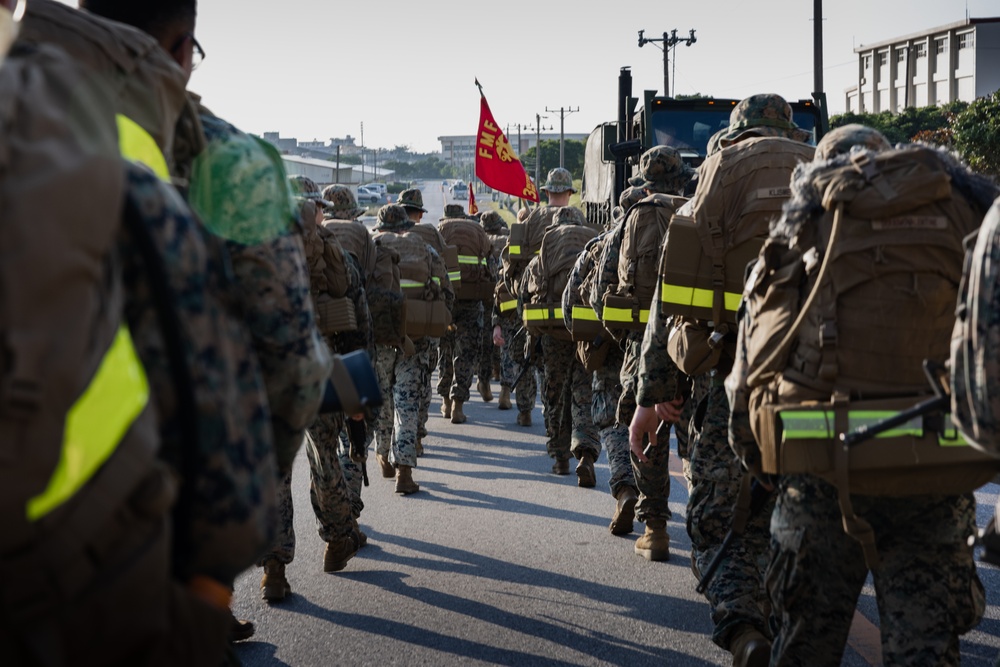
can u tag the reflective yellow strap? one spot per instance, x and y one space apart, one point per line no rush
696 297
454 276
533 313
623 315
437 280
96 424
136 145
516 250
508 305
818 425
410 283
584 313
471 259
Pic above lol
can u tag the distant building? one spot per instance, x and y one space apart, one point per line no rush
959 61
461 149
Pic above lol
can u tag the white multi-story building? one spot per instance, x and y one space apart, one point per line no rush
959 61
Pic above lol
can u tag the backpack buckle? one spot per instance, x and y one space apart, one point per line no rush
828 334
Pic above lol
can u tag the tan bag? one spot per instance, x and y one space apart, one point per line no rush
688 345
547 277
474 256
418 284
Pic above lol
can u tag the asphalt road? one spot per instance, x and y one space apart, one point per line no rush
498 562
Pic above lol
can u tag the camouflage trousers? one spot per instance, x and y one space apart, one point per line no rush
512 361
567 397
926 582
489 354
328 492
353 473
400 377
613 435
652 478
460 351
433 352
736 595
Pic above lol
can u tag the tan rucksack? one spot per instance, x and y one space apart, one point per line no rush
385 298
523 243
426 311
477 280
355 238
328 277
626 301
714 236
145 83
546 278
975 342
843 310
449 253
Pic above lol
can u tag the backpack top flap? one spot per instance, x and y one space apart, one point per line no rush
474 248
742 189
355 239
415 269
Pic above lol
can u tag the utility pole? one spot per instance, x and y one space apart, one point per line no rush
538 146
670 41
562 120
362 151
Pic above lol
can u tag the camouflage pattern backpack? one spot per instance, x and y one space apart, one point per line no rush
449 253
975 343
426 312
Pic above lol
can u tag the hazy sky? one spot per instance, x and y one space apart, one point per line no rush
315 69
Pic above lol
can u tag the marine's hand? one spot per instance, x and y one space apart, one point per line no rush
498 336
670 411
644 422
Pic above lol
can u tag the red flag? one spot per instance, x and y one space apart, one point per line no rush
473 209
496 164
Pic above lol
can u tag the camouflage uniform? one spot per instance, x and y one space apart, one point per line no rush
404 378
492 356
926 583
567 387
738 602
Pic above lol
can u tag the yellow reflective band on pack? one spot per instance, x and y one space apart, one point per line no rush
471 259
136 145
437 281
534 313
818 425
453 276
516 250
584 313
412 283
697 297
96 424
508 305
623 315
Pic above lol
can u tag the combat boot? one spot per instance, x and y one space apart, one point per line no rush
504 403
750 648
561 466
654 544
457 416
524 418
485 390
585 471
621 522
338 551
404 480
273 585
446 407
388 470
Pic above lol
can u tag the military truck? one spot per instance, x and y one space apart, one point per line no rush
613 148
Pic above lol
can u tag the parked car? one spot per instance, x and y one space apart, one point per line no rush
366 196
379 188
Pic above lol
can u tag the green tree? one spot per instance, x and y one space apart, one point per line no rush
573 151
906 125
976 132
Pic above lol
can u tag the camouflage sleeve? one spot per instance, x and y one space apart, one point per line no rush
273 282
741 438
229 472
658 376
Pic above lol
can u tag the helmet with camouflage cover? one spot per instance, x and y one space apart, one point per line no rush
343 205
713 146
661 169
454 211
412 198
559 180
569 215
762 115
393 218
492 222
304 187
841 140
